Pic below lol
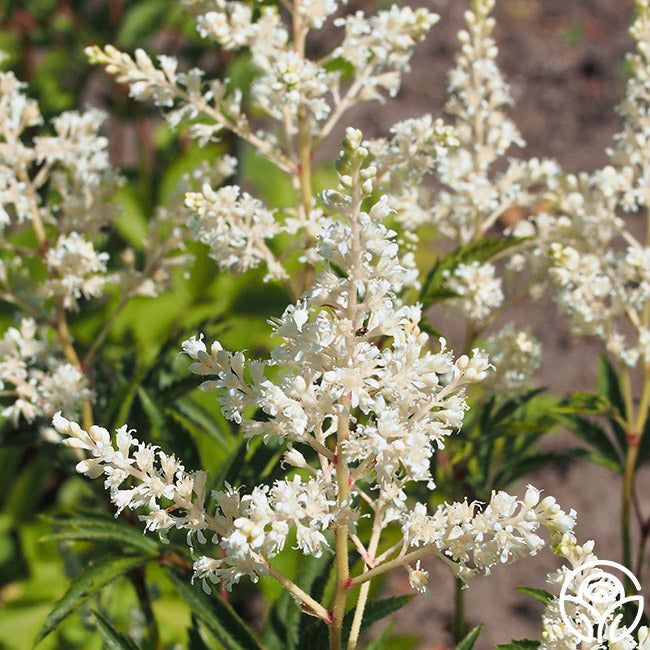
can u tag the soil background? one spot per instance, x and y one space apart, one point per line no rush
565 62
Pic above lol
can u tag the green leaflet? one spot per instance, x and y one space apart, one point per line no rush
596 437
93 579
468 641
316 636
286 626
378 643
88 526
113 639
538 594
218 617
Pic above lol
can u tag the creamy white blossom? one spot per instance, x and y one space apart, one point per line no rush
351 378
34 378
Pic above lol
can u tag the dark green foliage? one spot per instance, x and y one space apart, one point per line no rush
93 578
113 639
218 617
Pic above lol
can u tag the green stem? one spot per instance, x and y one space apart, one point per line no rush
459 614
645 533
628 489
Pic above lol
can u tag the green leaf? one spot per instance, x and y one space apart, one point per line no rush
429 329
113 640
596 437
312 578
468 641
538 594
95 577
218 617
375 611
141 20
594 457
100 528
518 467
523 644
153 410
609 384
200 417
316 635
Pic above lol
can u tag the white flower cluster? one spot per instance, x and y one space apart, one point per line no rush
304 97
630 155
597 266
479 290
380 47
352 381
77 269
57 187
596 290
476 539
235 226
34 379
414 150
516 356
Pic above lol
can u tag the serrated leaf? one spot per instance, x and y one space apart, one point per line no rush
315 636
468 641
519 467
609 384
95 577
429 329
595 457
98 528
538 594
218 617
375 611
596 437
113 640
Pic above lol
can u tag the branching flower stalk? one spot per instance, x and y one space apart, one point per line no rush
361 403
303 98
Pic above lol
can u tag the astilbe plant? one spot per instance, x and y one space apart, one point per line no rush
352 392
362 404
